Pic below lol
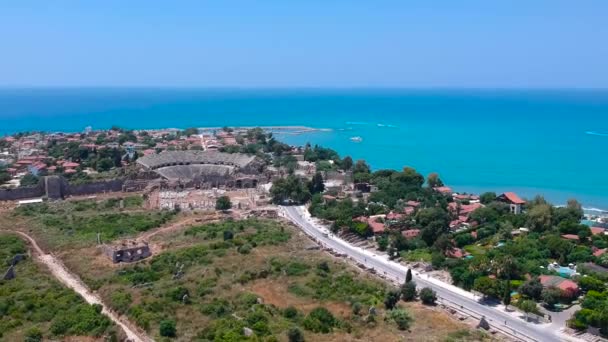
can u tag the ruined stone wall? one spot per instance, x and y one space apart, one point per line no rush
21 193
94 188
56 187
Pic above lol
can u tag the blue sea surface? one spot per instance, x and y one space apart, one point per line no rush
549 142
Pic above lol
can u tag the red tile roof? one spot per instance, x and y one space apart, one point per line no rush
454 253
559 282
394 216
444 189
570 237
597 230
411 233
412 203
513 198
70 164
377 227
600 252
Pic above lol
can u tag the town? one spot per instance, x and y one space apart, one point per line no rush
125 200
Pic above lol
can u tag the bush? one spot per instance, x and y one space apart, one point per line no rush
401 317
391 299
295 335
33 335
290 312
120 301
428 296
320 320
245 249
408 291
167 328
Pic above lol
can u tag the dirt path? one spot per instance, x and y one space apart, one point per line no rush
72 281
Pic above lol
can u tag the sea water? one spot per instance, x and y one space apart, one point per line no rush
549 142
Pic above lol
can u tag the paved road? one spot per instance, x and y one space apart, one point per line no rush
394 271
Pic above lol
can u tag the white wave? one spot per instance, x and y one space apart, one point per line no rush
387 125
597 133
356 123
595 209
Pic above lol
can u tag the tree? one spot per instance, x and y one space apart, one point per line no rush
486 286
401 317
506 296
316 184
104 164
167 328
428 296
391 299
527 306
408 291
295 335
487 197
539 217
289 189
551 296
532 289
361 167
223 203
347 163
408 275
433 180
29 180
228 235
190 131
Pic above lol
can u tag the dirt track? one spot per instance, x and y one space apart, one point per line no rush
72 281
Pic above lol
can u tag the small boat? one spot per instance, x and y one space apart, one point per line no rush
356 139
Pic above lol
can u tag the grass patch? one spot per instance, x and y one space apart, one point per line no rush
77 223
475 250
418 255
35 301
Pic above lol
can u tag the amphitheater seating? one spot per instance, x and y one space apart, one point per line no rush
189 172
173 158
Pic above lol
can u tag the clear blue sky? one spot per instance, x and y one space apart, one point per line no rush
313 43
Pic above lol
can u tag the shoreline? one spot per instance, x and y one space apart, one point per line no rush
591 208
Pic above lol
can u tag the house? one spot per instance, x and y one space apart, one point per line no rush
414 204
563 284
512 200
411 233
446 190
570 237
455 253
377 227
598 230
393 216
598 253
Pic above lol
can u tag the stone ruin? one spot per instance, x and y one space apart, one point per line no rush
127 251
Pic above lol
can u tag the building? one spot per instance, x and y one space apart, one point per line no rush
127 251
563 284
515 203
411 233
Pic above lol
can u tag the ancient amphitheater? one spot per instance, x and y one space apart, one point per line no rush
216 168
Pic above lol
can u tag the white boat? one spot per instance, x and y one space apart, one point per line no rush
356 139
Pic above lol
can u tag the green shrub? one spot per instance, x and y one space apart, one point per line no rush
320 320
401 317
167 328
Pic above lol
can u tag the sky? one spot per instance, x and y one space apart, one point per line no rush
313 43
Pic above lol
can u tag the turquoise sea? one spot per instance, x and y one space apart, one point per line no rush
550 142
